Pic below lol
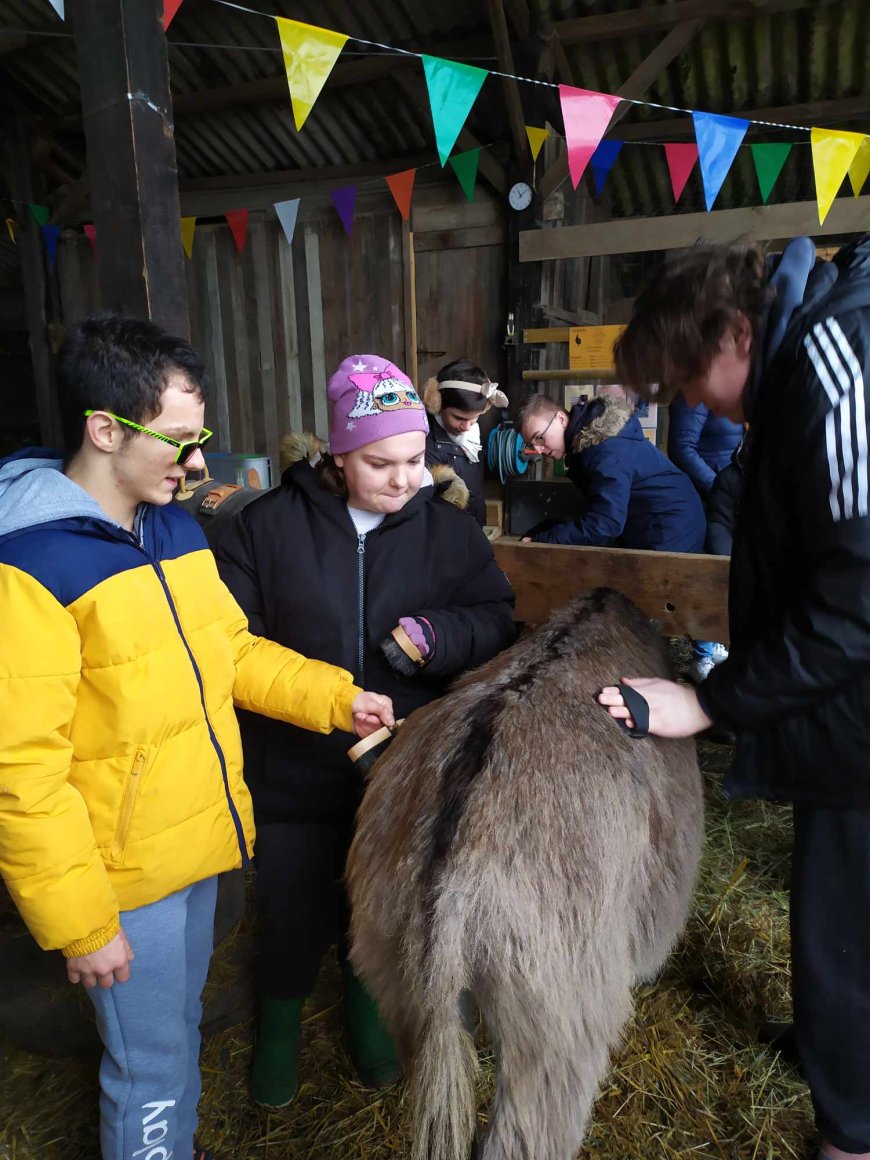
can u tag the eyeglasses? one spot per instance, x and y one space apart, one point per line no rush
538 440
185 450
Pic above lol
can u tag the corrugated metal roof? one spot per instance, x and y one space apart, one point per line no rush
817 53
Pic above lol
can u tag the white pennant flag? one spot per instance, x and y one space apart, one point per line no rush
287 212
57 5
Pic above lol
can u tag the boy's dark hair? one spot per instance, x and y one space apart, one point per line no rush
463 370
113 363
684 313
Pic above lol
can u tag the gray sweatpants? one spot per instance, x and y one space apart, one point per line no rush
149 1075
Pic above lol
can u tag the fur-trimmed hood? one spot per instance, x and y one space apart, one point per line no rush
446 483
610 420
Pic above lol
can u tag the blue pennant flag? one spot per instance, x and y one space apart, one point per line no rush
50 234
718 139
602 162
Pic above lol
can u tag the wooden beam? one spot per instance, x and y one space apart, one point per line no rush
518 14
33 276
687 594
348 71
643 77
461 239
633 235
409 295
807 113
547 334
659 18
510 87
124 75
563 375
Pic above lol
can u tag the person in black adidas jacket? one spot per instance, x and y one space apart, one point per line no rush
337 557
786 346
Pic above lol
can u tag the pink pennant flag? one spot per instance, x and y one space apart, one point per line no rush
91 235
586 115
237 220
681 161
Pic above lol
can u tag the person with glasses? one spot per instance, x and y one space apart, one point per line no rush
634 496
123 656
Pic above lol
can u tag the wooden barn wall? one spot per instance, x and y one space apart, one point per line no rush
273 322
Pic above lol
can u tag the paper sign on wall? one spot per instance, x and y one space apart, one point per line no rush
590 348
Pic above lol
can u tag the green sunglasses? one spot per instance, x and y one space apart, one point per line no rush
185 450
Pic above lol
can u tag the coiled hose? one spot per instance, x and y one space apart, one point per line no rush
505 452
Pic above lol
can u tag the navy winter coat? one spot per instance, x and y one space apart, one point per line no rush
699 443
440 448
636 497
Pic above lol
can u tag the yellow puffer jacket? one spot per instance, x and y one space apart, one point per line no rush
120 759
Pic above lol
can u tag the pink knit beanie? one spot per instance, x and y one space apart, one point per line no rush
371 399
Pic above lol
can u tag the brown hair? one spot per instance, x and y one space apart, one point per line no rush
682 316
539 404
330 476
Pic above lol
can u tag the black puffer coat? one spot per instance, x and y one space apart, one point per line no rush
440 449
296 565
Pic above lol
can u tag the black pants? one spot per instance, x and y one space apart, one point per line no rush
830 933
301 903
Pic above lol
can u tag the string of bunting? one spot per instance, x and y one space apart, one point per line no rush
310 53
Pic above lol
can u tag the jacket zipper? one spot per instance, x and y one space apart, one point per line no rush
128 801
361 588
237 822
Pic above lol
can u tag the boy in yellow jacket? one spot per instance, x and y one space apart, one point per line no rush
121 659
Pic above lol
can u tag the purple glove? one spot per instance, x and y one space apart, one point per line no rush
420 632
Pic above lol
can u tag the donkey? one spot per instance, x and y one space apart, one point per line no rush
515 843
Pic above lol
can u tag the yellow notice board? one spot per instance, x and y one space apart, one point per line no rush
590 348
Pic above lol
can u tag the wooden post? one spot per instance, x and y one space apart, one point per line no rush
127 110
33 274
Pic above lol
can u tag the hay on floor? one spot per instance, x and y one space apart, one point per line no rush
690 1080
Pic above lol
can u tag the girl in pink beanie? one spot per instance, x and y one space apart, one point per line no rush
360 559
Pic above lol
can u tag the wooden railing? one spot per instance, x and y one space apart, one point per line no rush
687 594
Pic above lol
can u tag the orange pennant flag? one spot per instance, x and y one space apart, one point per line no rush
402 187
859 170
833 153
188 226
309 56
237 219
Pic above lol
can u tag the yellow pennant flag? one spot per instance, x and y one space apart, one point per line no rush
188 225
11 223
309 54
860 167
833 153
536 137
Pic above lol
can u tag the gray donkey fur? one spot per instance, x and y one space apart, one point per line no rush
513 842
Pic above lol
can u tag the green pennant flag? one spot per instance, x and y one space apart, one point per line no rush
464 165
41 214
769 160
453 89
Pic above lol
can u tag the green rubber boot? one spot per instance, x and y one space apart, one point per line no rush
275 1068
372 1050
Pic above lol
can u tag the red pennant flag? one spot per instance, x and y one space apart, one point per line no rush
586 115
237 220
91 235
170 7
681 162
402 187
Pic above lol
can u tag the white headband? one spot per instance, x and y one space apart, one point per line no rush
489 391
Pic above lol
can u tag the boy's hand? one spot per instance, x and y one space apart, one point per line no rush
674 710
109 965
370 712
